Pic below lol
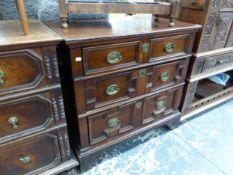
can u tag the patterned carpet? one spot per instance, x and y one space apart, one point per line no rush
201 146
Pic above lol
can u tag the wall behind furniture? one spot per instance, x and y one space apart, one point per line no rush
36 9
40 9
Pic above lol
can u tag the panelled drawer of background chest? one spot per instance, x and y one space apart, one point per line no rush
28 69
34 155
109 57
30 114
160 106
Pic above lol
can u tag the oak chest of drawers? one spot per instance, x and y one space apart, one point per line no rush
121 78
212 53
33 133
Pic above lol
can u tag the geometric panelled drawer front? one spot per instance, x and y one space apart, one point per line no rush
31 113
167 74
25 69
159 106
111 123
123 119
162 47
107 89
108 57
30 156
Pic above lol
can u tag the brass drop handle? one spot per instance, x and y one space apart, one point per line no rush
169 47
113 122
13 121
2 74
165 76
114 57
25 159
112 90
160 105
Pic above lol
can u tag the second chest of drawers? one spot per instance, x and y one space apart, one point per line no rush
33 128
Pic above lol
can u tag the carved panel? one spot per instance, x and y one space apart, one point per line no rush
214 98
230 38
206 36
111 123
188 97
223 28
227 4
215 4
197 65
215 31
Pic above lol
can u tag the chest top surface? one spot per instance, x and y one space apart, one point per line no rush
11 34
118 26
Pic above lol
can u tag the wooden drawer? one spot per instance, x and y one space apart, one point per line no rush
105 90
167 74
110 57
31 114
160 106
125 118
113 122
168 46
27 69
213 62
34 155
216 62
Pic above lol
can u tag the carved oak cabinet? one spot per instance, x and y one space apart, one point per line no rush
121 77
212 53
33 134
